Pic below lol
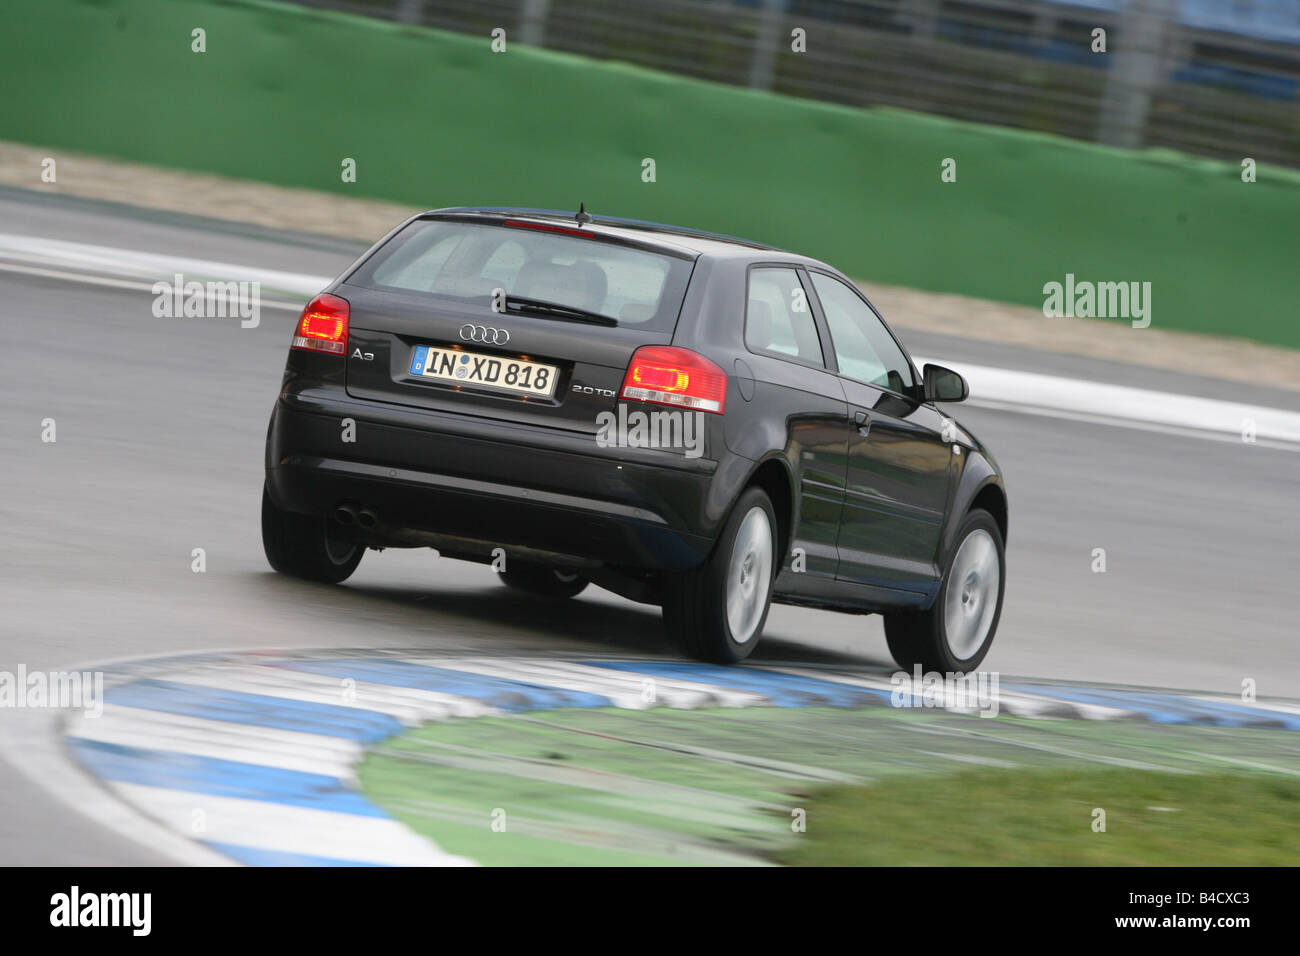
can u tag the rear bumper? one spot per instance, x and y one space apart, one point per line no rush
501 484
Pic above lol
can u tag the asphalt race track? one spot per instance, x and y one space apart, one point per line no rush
160 424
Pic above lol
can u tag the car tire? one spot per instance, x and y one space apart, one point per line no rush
542 581
307 546
955 633
716 612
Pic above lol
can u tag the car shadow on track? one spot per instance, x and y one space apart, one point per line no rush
494 620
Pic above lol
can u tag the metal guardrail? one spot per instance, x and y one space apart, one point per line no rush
1160 80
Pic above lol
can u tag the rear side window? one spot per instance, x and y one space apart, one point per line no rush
777 316
462 260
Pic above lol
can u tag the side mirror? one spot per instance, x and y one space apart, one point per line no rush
944 385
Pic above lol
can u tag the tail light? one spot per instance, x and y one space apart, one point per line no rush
518 224
671 376
324 325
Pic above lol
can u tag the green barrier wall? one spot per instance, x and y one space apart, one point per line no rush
283 94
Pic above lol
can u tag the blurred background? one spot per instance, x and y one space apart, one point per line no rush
1175 145
1187 74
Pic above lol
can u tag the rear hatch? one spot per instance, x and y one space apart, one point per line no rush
507 318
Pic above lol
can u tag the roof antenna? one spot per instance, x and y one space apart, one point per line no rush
583 216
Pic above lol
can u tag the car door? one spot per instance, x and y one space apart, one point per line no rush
899 465
796 393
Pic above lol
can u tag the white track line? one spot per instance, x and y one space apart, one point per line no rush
135 264
221 740
32 741
1017 704
282 828
1027 391
1277 706
1053 393
410 705
141 285
624 689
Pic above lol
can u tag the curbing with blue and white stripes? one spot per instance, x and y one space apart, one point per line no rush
253 756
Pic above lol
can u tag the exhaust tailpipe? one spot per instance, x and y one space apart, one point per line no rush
346 514
367 518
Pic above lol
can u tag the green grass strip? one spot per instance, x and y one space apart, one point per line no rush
608 786
1047 818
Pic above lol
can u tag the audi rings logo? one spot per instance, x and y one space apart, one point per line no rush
485 334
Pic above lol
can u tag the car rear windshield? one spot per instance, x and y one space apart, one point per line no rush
467 261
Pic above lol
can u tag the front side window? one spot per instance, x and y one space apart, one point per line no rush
863 346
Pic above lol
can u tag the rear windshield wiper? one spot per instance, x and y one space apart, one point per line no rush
539 307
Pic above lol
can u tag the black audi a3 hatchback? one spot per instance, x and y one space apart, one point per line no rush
685 419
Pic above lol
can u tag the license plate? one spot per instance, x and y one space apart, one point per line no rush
458 367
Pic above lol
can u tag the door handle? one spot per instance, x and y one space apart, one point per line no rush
863 423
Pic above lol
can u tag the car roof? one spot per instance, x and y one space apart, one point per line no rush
678 238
